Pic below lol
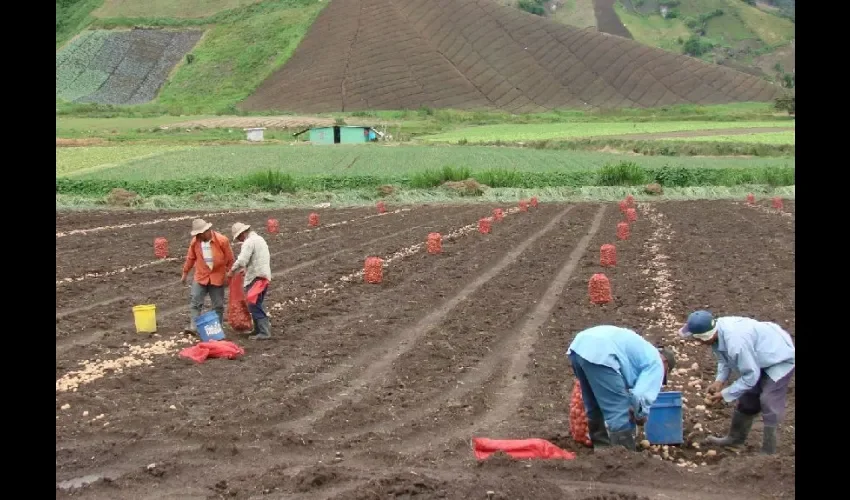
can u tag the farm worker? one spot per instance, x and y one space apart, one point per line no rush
620 375
763 354
255 258
211 256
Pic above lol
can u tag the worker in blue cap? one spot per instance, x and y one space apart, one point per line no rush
763 354
620 374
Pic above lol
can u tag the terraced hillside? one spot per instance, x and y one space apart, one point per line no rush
392 54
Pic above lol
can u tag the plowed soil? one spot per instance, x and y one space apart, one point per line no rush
374 391
405 54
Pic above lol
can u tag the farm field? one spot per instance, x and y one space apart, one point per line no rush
370 391
359 160
119 67
762 138
543 131
436 62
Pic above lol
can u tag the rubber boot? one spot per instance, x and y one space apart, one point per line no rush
598 434
624 438
264 328
768 446
738 431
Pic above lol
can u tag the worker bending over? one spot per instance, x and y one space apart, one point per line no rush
763 354
620 375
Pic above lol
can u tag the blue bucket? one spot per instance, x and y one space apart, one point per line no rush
209 327
664 425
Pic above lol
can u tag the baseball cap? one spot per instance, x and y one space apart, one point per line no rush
700 325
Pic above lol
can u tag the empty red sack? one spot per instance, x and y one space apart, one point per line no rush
519 448
212 349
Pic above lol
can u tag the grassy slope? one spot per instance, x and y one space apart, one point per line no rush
240 48
73 18
167 8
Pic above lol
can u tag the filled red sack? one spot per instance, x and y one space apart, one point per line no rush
212 349
519 448
578 417
238 315
256 289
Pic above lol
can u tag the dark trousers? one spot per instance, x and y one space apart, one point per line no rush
256 310
767 397
604 392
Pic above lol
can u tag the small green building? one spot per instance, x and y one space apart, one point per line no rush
341 134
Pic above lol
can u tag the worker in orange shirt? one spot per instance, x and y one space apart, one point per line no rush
211 256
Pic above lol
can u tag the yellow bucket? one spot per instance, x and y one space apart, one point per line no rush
145 317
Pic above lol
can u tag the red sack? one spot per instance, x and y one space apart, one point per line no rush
238 315
519 448
212 349
256 289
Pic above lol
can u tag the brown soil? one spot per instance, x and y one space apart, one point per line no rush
375 391
374 54
700 133
272 122
607 20
62 142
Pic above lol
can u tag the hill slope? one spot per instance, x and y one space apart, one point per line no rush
395 54
751 36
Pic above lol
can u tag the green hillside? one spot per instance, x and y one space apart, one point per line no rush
754 36
243 41
212 54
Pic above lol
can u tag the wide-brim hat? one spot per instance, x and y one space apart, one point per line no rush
239 228
199 226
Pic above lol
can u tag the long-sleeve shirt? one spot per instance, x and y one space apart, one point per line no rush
637 360
750 346
222 259
254 257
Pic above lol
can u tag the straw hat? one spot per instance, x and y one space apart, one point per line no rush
239 228
199 226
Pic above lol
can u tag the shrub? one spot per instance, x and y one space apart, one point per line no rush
270 181
532 6
622 174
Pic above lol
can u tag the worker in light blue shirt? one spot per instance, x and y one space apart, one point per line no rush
620 375
763 354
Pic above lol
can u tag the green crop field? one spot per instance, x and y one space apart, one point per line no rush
765 138
73 161
234 161
537 132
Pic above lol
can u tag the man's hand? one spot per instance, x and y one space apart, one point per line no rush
714 399
715 387
183 278
228 275
635 420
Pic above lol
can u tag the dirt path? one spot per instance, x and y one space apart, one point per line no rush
607 20
699 133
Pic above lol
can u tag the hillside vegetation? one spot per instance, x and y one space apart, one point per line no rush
747 35
279 56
